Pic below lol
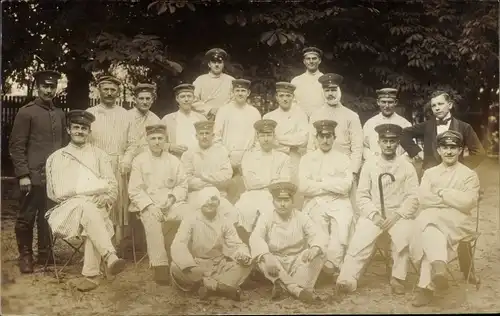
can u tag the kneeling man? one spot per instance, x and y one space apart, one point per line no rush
447 195
287 247
81 181
157 190
400 201
207 253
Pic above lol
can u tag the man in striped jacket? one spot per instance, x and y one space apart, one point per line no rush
81 181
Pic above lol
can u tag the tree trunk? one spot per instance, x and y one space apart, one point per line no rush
78 85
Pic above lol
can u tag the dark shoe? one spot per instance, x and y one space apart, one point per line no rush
116 267
229 292
204 292
279 290
161 275
397 286
342 289
26 263
423 298
306 297
438 275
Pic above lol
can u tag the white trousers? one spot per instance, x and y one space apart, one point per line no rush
336 247
295 273
355 261
98 241
435 246
156 232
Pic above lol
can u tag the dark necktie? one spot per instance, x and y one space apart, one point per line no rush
443 122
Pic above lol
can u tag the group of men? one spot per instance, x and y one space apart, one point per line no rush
214 183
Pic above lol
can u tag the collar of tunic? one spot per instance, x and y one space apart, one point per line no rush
46 105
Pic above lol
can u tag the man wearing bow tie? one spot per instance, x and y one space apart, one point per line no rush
441 104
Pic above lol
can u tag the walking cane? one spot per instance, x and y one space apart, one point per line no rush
382 210
381 191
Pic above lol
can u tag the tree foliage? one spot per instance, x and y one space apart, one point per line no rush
414 45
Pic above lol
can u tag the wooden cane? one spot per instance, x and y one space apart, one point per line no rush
381 191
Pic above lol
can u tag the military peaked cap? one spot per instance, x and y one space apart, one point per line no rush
264 126
109 79
387 93
330 80
204 125
156 129
325 126
80 117
47 76
241 83
389 130
450 138
145 87
312 50
183 88
216 54
285 86
282 189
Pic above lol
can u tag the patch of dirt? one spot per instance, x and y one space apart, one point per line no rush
134 293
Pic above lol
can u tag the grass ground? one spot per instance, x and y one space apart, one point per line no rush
133 292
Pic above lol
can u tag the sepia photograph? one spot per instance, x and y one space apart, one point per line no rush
208 157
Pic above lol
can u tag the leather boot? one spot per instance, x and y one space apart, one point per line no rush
24 245
306 296
229 292
423 298
279 290
44 243
438 274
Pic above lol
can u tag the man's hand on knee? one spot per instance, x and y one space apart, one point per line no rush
271 264
156 213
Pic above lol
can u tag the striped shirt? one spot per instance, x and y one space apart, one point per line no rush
110 129
136 138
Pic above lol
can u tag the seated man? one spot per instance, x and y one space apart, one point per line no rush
287 247
207 166
260 167
157 190
447 195
207 253
400 201
325 179
81 181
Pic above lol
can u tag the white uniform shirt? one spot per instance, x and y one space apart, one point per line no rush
309 92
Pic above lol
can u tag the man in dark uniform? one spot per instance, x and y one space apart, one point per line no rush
39 130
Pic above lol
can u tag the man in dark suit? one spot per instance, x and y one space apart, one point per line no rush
441 104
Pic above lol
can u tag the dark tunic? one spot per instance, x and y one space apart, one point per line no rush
39 130
428 131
